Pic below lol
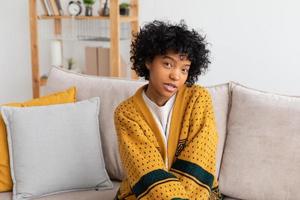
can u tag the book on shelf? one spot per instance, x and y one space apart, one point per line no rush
54 7
60 10
50 9
91 61
103 61
44 7
97 62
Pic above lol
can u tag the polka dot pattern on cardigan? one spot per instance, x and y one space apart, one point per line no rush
143 155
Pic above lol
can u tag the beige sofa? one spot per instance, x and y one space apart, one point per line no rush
259 137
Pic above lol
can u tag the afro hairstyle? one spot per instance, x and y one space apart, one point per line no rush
159 37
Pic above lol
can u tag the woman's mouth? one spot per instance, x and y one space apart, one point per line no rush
170 87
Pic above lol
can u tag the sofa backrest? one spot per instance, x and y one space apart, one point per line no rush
113 91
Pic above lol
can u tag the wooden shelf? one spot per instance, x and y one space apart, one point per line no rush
122 18
114 34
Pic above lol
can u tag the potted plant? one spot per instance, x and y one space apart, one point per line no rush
124 8
70 62
88 7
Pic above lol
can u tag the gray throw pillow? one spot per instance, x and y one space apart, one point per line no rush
262 153
55 149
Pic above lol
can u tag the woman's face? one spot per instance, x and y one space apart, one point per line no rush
167 73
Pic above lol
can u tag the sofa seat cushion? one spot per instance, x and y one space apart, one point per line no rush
262 153
79 195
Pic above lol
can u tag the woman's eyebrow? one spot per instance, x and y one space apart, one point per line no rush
174 60
166 56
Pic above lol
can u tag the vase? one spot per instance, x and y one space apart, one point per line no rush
88 10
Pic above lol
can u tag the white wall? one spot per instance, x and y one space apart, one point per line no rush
255 42
15 71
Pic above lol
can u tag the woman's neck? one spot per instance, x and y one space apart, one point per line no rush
155 97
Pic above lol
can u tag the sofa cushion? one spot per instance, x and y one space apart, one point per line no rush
67 96
220 98
229 198
6 195
78 195
111 92
55 149
262 153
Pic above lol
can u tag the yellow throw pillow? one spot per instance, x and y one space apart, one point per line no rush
67 96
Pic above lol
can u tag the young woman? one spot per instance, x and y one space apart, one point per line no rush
166 131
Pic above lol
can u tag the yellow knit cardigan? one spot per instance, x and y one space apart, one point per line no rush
190 154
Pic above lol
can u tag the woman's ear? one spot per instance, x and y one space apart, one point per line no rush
148 64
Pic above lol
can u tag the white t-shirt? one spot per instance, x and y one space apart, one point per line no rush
161 114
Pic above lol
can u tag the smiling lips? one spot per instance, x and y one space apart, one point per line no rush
170 87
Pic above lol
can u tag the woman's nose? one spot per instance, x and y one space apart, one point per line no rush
174 75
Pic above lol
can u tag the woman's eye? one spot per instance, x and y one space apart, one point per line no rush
167 65
185 70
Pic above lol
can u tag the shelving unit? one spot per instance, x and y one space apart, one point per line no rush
114 18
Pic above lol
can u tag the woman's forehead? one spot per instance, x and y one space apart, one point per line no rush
176 56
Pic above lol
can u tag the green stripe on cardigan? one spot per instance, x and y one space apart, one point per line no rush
195 171
147 181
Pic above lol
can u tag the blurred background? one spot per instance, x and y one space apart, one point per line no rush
253 42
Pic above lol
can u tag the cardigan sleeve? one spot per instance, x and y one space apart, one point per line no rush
195 164
143 163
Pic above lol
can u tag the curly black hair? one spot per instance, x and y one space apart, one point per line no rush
158 37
